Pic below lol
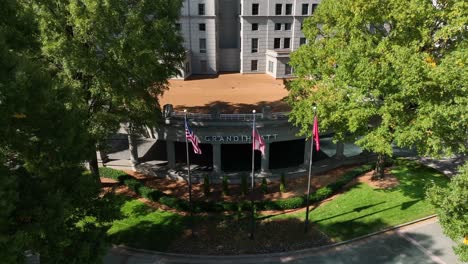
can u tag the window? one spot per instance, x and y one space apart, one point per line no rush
201 9
254 65
254 45
305 9
314 6
302 41
254 26
203 66
187 67
278 9
287 69
202 27
254 9
202 45
288 9
287 26
287 43
278 26
276 43
177 26
270 66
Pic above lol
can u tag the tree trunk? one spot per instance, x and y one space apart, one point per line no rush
93 166
133 148
379 167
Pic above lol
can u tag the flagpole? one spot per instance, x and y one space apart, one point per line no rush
252 220
310 172
188 171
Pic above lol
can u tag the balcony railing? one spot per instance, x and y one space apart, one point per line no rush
228 117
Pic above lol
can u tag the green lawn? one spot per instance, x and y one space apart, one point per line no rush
359 211
143 227
363 210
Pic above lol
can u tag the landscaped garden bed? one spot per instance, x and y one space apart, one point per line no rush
221 228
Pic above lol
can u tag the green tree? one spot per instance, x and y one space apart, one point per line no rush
47 200
452 209
116 55
385 72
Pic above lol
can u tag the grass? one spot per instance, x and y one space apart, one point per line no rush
363 209
358 211
143 227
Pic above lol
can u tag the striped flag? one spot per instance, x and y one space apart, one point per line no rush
315 133
192 138
258 142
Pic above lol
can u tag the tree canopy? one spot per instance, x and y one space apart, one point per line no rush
116 55
452 209
385 72
46 198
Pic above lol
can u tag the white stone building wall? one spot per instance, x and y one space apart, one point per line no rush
220 59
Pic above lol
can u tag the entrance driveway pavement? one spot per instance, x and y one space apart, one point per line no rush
416 244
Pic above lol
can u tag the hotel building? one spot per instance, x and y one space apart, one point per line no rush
246 36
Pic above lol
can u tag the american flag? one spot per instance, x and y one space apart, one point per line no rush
192 138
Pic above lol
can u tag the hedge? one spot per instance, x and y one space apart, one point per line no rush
220 206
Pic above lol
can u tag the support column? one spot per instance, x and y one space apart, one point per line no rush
133 148
265 166
217 159
307 152
339 150
170 152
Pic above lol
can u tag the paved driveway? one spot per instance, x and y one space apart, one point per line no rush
419 244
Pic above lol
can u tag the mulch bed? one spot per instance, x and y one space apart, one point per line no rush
215 236
294 187
228 233
389 181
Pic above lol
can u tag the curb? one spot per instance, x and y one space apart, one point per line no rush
266 257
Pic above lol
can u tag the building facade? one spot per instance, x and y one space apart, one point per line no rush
246 36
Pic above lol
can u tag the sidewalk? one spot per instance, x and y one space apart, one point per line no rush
418 243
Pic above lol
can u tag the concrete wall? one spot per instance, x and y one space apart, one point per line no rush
266 34
190 20
229 60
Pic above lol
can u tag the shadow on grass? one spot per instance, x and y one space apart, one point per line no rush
355 210
352 228
153 234
415 178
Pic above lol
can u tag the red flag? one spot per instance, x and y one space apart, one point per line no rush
315 133
258 142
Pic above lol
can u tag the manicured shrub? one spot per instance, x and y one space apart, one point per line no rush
206 185
290 203
113 174
230 206
244 187
150 193
133 184
239 211
320 194
209 206
264 186
225 185
268 205
282 183
175 203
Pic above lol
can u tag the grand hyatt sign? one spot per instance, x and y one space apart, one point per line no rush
241 138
